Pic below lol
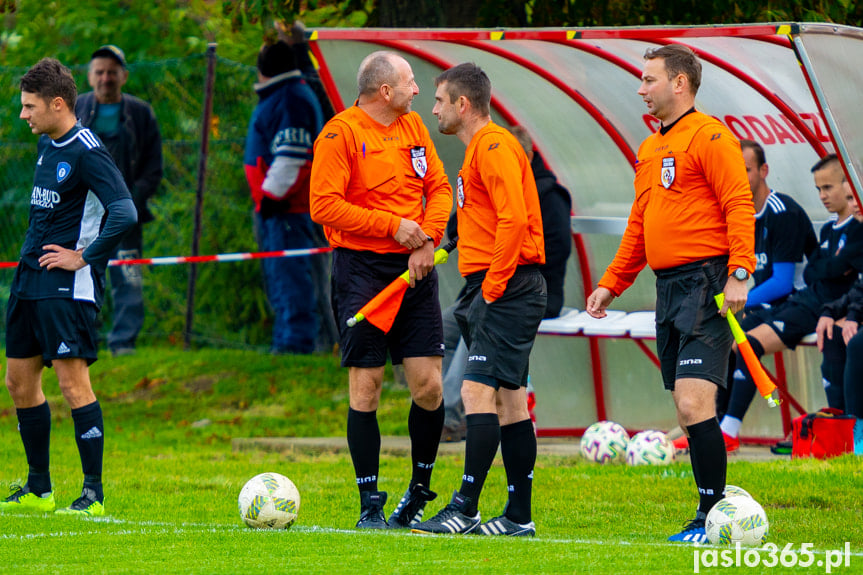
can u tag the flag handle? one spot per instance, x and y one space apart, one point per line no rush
765 385
440 257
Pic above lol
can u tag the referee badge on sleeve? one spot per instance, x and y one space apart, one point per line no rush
667 175
418 160
460 191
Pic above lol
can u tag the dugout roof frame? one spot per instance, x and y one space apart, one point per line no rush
793 87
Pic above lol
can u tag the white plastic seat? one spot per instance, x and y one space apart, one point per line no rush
565 324
612 325
642 324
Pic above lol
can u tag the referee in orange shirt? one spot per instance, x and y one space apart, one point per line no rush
381 193
693 223
500 250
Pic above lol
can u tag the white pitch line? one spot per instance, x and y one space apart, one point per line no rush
164 527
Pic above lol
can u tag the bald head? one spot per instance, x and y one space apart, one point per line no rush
377 69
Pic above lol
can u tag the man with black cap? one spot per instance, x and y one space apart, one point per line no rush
128 128
278 163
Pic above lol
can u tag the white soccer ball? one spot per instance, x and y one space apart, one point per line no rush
650 447
604 442
736 519
269 501
734 491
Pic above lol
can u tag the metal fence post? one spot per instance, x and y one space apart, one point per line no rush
199 192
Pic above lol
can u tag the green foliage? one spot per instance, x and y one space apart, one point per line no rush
175 89
70 31
172 480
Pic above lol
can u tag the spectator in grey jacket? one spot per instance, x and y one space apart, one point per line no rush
128 128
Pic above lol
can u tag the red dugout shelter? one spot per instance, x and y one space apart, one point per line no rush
791 87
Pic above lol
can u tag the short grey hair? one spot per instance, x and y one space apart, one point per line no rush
376 69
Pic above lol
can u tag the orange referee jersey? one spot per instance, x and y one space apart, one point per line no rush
367 176
692 202
499 221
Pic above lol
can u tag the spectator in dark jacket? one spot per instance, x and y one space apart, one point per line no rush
128 128
556 205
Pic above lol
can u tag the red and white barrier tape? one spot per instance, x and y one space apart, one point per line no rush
170 260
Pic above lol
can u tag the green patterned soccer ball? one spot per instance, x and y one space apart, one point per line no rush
269 501
737 519
733 490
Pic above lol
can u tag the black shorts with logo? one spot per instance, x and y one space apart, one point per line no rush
54 328
417 331
692 339
500 335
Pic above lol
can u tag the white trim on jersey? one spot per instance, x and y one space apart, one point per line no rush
91 220
86 136
775 202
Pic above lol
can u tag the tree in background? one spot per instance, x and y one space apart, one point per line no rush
518 13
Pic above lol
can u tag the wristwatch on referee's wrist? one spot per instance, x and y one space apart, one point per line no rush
741 274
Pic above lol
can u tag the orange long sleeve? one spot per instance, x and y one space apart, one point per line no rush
692 202
499 218
366 177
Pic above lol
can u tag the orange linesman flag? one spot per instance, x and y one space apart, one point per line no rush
765 385
382 309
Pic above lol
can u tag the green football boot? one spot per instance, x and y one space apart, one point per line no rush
86 505
22 499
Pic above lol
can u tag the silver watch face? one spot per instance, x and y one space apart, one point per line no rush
741 274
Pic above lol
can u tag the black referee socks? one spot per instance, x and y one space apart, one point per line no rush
518 448
424 428
483 437
709 461
364 443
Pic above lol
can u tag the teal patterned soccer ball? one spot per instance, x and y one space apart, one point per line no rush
269 501
737 518
733 490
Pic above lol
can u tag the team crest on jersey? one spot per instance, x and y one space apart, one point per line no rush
667 175
418 160
460 192
39 161
63 171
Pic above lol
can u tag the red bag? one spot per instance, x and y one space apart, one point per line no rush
825 433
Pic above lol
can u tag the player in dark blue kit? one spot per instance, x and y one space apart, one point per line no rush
829 274
79 210
783 237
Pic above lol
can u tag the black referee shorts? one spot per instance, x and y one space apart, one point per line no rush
692 339
52 328
418 328
500 335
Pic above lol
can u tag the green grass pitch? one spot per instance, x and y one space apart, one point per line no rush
172 480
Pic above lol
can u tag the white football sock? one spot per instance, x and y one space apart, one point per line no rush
730 425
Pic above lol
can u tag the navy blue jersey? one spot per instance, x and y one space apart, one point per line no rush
834 266
74 182
783 234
